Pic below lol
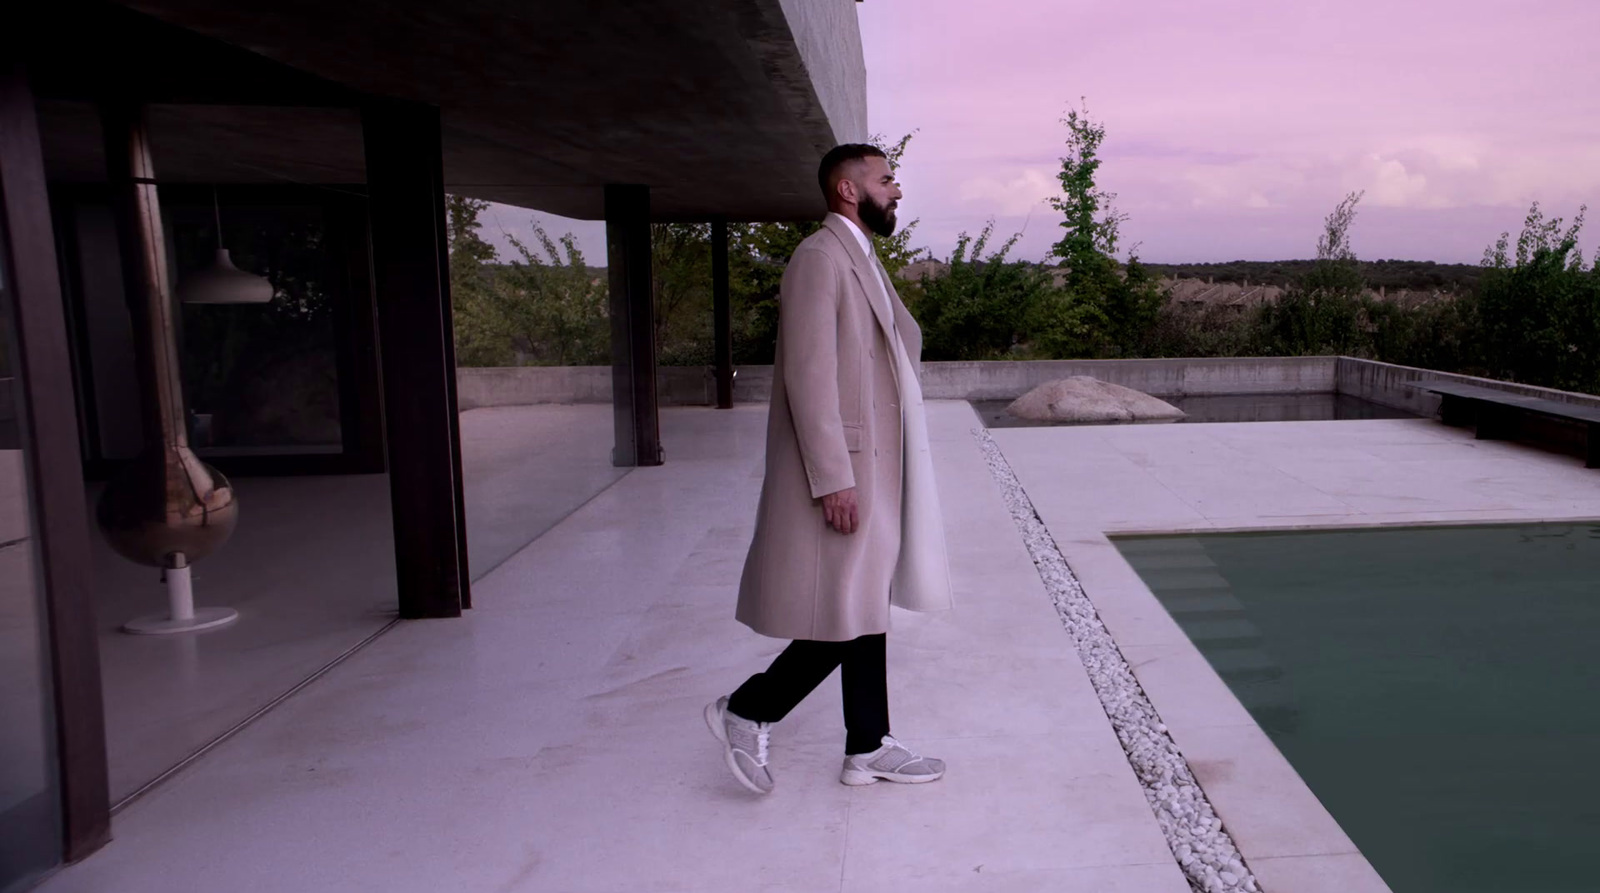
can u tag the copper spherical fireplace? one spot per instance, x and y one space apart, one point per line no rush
166 509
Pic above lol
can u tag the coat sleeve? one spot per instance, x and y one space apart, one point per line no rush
808 328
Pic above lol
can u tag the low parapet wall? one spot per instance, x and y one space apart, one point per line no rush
1383 383
1160 378
1392 385
528 385
1000 380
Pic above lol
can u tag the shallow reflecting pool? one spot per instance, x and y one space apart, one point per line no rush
1233 408
1438 688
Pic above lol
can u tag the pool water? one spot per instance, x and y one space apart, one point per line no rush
1437 688
1315 407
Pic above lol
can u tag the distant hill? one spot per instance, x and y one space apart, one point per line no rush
1391 275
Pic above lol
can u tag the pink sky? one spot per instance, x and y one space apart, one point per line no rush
1233 128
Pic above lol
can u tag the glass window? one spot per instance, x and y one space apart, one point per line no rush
264 378
30 820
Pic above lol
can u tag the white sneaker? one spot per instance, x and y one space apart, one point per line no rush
744 745
891 762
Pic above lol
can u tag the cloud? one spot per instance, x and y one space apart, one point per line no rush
1388 184
1252 183
1012 197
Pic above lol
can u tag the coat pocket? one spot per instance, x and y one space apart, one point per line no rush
852 438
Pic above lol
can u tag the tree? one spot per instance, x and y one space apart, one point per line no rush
1092 225
680 278
1336 272
1324 312
481 333
988 308
1126 302
1539 306
461 229
895 251
557 307
545 307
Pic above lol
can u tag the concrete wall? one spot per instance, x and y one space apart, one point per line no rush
829 38
1390 385
528 385
693 386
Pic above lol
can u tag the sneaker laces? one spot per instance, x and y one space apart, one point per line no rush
893 755
742 731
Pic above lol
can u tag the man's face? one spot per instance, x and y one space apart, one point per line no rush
878 195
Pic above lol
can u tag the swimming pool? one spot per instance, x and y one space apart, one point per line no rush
1437 688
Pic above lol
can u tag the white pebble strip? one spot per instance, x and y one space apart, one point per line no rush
1205 852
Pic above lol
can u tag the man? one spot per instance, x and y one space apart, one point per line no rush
849 518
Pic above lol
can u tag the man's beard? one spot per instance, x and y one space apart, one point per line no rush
878 218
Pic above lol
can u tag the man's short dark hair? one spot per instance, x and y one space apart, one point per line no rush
839 156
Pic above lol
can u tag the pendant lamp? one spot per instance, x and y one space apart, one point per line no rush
222 282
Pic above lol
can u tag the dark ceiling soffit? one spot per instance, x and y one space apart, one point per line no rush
84 50
160 63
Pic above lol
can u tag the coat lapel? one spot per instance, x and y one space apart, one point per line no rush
866 272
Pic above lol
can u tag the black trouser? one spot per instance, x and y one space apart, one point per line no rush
769 696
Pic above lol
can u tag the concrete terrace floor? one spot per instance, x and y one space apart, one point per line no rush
526 469
551 740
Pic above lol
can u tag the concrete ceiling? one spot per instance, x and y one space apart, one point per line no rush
214 144
709 103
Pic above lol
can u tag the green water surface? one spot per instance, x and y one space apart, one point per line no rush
1437 688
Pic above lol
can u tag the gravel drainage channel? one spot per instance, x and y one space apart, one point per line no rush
1204 851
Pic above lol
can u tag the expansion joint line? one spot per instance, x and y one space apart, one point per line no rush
1206 853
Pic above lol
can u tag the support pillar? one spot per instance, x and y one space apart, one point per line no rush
723 312
633 327
411 285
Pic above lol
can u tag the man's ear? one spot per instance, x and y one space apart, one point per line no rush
846 189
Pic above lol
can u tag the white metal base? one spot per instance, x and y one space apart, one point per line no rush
163 625
182 617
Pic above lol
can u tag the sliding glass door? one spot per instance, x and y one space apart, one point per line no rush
30 797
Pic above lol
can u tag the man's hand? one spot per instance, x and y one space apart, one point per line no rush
840 510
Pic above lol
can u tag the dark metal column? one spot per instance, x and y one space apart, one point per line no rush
411 284
55 471
448 320
633 328
722 310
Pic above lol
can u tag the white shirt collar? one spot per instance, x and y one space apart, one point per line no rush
861 237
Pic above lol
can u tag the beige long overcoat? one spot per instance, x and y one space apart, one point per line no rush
835 422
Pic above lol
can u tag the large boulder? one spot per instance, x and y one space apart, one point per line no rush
1084 399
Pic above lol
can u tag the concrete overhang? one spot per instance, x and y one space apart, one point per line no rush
722 107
